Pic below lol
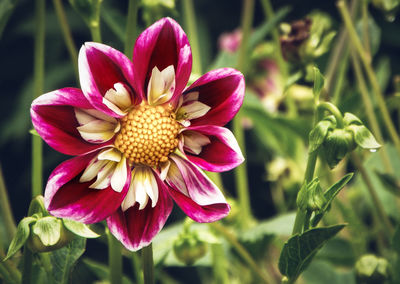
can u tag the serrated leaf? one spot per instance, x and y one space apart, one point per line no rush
79 229
299 250
319 81
64 259
48 229
330 195
23 231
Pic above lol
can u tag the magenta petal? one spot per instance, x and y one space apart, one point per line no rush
136 228
205 202
66 197
223 91
100 67
53 117
222 154
162 44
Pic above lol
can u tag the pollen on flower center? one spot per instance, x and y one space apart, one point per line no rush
148 134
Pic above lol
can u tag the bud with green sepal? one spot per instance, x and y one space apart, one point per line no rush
42 232
311 196
372 269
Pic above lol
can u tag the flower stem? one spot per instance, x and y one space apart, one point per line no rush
95 31
366 61
27 266
220 265
114 259
5 210
333 110
388 227
190 21
137 271
148 266
247 20
69 41
269 12
373 121
241 251
9 270
131 27
38 75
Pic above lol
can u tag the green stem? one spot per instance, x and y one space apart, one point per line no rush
69 41
5 210
372 119
365 28
333 110
95 31
27 266
114 259
137 271
190 20
378 206
241 178
8 269
241 251
220 264
247 20
131 27
38 77
148 265
340 77
365 59
269 12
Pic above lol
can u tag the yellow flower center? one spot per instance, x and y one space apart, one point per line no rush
148 135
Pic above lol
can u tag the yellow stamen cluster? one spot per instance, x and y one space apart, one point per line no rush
148 134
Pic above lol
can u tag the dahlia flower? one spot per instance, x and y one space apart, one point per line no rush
140 137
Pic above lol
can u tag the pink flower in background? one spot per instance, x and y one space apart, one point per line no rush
139 136
230 42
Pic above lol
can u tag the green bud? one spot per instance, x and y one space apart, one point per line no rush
320 131
337 144
311 197
189 247
372 269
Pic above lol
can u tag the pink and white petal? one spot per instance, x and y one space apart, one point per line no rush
221 154
162 44
66 197
136 228
223 91
100 67
54 118
201 200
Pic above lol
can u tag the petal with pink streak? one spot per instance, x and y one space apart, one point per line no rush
223 91
136 228
162 44
66 197
100 67
222 154
53 117
201 200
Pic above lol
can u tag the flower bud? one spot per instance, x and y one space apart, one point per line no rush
188 247
337 144
311 197
372 269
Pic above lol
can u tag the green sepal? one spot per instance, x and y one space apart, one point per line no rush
319 81
79 229
22 235
330 195
299 250
311 197
337 144
363 137
48 229
320 131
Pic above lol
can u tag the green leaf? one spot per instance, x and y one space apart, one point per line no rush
6 9
299 250
64 259
319 81
390 182
101 271
23 232
321 271
261 32
48 229
330 195
319 132
79 229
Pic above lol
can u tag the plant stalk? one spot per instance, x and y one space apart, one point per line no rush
27 266
148 265
6 211
131 27
114 259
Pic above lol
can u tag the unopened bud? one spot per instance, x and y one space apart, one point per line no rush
188 248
